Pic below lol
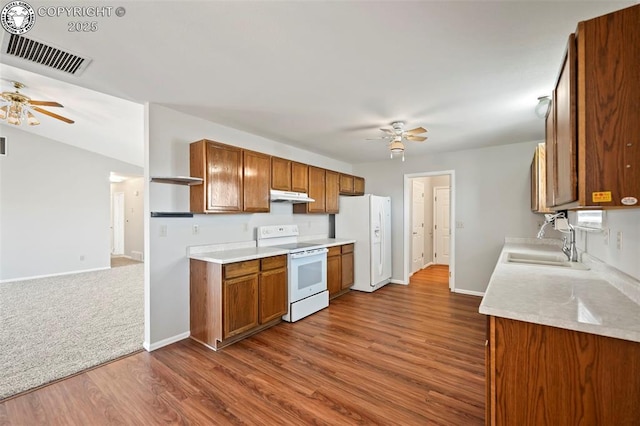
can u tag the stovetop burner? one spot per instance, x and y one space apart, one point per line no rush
296 246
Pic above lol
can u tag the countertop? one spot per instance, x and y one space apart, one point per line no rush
240 252
580 300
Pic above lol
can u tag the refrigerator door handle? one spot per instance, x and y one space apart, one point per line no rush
381 232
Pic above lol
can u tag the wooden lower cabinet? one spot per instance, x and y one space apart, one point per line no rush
542 375
347 266
339 270
232 301
273 289
240 305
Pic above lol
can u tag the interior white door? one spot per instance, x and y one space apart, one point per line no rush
442 229
118 223
417 225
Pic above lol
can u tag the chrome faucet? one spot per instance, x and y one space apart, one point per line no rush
570 250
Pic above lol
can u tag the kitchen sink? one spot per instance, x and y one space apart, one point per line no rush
545 259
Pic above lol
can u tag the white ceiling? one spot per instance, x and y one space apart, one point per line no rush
321 75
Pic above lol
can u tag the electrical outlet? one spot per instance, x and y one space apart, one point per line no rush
459 225
195 229
619 240
81 257
163 230
245 227
605 236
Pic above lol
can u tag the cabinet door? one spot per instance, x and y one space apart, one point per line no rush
273 294
223 178
347 269
240 305
550 153
358 185
317 184
332 193
257 181
299 177
334 273
346 184
280 174
566 176
609 109
534 182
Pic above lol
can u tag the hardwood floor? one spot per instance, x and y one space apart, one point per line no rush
410 355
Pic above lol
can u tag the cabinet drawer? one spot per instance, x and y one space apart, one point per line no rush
239 269
347 248
334 251
274 262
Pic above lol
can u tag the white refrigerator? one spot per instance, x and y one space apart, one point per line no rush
367 219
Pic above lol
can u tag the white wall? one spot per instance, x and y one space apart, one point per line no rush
54 207
133 190
167 276
627 259
492 201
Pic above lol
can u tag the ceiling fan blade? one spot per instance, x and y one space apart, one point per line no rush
45 103
50 114
387 131
415 131
416 138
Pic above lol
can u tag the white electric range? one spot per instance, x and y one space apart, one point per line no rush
306 266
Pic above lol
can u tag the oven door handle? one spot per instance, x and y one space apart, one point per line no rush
314 252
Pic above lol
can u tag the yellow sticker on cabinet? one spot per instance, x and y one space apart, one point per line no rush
601 197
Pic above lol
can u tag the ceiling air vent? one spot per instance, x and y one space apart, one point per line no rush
44 54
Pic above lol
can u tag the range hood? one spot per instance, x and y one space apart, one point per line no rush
290 197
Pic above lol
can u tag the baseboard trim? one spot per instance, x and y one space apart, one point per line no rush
35 277
469 292
149 347
427 265
399 282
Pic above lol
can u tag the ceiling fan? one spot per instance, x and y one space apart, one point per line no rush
16 108
396 134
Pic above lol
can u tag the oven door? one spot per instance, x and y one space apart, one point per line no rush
307 273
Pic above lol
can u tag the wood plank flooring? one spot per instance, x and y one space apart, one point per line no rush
410 355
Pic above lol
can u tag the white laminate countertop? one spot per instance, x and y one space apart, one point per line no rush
240 252
580 300
329 242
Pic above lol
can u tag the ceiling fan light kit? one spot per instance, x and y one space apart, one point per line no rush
17 108
397 133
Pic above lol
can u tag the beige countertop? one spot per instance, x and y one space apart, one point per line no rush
240 252
582 300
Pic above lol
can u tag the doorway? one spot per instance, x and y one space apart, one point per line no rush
429 209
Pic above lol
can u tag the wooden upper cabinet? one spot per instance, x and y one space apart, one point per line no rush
281 174
550 153
596 154
351 185
317 190
538 180
346 184
299 177
358 185
256 181
332 191
220 166
608 109
565 179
